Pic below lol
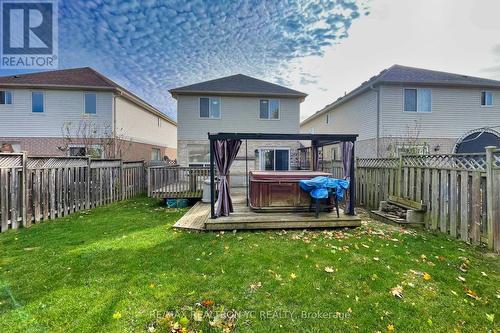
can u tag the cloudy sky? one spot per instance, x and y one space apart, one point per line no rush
323 48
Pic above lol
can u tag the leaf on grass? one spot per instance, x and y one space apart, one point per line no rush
293 276
329 269
397 291
117 315
461 278
427 276
376 258
390 328
490 317
255 286
471 293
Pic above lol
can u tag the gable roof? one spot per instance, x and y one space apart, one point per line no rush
237 85
398 75
77 78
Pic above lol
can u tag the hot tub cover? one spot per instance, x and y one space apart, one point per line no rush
318 186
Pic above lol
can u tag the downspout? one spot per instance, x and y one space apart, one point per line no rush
114 123
377 145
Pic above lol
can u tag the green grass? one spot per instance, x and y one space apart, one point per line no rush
82 272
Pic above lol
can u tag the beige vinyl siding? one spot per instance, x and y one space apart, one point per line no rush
356 116
238 114
61 106
139 125
454 112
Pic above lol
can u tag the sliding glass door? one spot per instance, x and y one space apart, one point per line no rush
275 159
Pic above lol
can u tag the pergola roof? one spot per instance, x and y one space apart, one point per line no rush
318 139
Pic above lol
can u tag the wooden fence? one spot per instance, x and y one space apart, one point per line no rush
176 182
34 189
461 191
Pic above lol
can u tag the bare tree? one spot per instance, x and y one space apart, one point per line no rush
408 142
94 140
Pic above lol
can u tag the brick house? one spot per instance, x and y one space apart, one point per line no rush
79 111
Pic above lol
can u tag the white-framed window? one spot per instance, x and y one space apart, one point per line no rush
37 101
269 109
155 154
417 100
486 98
275 159
94 151
5 97
210 107
90 102
198 154
327 118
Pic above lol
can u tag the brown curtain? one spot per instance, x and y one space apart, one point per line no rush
225 152
315 157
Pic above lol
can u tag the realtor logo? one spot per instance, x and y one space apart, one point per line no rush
28 34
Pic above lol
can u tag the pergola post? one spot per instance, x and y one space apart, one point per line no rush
212 180
352 184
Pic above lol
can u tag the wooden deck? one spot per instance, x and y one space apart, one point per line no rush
197 218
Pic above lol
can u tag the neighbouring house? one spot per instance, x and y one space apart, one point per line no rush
75 112
242 104
412 110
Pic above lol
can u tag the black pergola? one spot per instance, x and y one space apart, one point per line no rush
317 140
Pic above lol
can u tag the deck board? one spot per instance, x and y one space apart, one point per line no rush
197 218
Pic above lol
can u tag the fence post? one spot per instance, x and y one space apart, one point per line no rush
89 180
24 198
489 194
400 174
122 181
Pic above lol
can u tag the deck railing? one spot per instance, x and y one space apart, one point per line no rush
176 181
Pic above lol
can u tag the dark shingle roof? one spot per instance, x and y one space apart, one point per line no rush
397 74
238 84
75 77
405 74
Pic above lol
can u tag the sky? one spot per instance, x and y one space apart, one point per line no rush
323 48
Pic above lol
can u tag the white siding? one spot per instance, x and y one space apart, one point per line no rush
238 114
139 125
454 112
61 107
356 116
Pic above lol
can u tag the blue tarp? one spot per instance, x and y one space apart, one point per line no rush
318 187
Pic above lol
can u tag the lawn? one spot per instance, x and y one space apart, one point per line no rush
123 268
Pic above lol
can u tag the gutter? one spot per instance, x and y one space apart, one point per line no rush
377 144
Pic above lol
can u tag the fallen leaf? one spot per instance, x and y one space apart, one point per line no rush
255 286
117 315
461 278
390 328
329 269
397 291
490 317
293 276
471 293
427 276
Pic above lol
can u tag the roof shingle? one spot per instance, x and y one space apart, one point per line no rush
238 84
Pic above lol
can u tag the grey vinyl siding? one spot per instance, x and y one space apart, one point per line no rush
454 112
356 116
61 106
238 114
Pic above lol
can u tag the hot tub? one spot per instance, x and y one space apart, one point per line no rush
279 190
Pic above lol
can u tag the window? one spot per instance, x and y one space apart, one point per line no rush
274 159
327 119
90 102
269 109
5 97
486 98
37 101
198 154
417 100
210 107
94 151
155 154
